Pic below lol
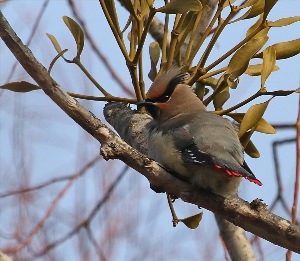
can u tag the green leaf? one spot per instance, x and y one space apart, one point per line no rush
284 21
269 4
285 49
77 33
180 7
252 117
20 86
269 60
240 60
54 42
255 69
192 222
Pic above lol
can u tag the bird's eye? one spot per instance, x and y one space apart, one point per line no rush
163 98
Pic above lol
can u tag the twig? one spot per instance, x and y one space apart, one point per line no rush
279 197
51 209
87 221
297 182
33 31
50 182
97 51
254 217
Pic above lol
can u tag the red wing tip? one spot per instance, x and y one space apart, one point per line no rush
256 181
236 174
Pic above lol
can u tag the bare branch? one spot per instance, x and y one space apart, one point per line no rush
254 217
4 257
235 239
97 51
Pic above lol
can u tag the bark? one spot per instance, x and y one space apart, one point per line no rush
234 237
241 249
4 257
253 217
131 127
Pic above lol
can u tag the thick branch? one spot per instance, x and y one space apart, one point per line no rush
234 238
253 217
4 257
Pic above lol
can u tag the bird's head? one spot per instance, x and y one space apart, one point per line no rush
169 96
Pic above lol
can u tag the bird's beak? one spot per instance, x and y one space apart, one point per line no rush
151 107
143 103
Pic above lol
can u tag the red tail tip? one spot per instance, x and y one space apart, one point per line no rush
236 174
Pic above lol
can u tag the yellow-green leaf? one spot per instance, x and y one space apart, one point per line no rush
250 12
251 150
269 4
255 10
187 26
255 25
228 2
240 60
111 9
265 127
145 7
154 51
269 60
285 49
61 54
252 117
54 42
201 90
255 69
248 4
128 5
20 86
262 125
192 222
180 7
77 33
150 2
245 138
284 21
221 98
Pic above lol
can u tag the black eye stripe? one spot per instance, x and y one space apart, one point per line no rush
180 78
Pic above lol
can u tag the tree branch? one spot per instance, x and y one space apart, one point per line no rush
254 217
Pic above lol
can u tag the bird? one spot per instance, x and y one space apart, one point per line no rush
191 142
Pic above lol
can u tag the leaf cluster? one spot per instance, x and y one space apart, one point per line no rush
182 46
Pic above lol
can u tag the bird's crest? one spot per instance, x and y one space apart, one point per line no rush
166 82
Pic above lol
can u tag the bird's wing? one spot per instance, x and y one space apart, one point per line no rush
192 154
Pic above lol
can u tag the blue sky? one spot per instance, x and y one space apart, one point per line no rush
57 146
